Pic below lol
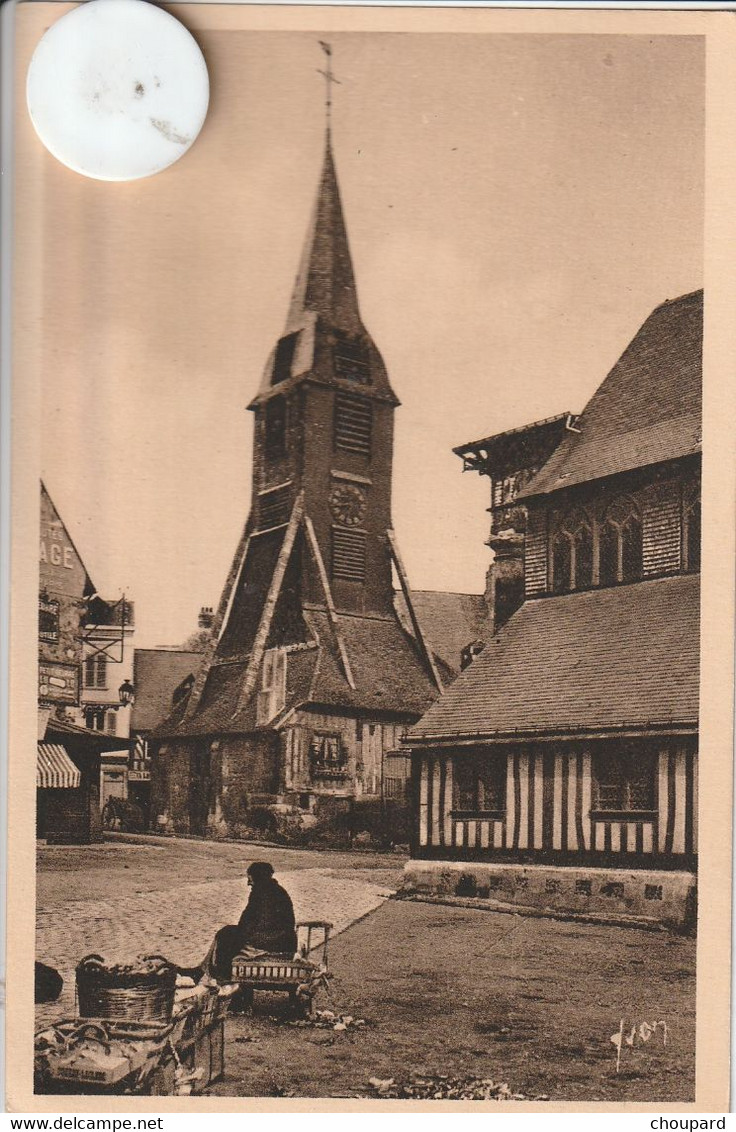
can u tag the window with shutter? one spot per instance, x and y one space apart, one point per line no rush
353 424
94 719
348 554
273 508
352 361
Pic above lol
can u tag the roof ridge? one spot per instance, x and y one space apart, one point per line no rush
645 411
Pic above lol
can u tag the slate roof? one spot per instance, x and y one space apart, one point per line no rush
620 658
648 409
156 673
449 621
387 670
325 282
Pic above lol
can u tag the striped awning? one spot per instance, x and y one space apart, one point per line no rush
54 769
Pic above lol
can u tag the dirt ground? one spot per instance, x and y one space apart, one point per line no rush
531 1002
169 896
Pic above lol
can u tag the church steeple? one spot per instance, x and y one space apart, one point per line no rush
325 283
307 617
324 419
324 339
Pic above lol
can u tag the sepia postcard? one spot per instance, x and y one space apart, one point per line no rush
383 736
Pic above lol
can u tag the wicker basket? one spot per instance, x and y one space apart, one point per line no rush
146 996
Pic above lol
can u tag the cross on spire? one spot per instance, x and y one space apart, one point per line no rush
329 80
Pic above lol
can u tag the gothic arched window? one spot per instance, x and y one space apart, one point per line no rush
691 529
561 563
583 547
620 544
572 553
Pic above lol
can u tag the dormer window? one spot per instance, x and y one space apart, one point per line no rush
284 357
352 360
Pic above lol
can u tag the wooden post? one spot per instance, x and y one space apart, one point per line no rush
403 579
274 590
220 621
331 612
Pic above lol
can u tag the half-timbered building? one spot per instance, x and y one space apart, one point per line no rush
570 744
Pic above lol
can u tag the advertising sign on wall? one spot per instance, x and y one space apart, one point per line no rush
58 683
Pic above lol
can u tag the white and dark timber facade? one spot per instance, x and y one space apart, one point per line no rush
310 678
561 768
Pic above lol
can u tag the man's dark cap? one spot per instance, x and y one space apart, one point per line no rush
260 871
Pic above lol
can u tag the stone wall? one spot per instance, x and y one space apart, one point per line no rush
649 895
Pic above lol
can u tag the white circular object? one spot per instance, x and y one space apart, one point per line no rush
117 89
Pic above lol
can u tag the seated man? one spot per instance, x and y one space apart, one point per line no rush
268 920
267 924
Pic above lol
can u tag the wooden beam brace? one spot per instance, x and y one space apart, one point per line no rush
331 612
418 633
264 625
220 621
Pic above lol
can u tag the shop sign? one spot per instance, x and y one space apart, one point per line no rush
48 619
139 776
58 683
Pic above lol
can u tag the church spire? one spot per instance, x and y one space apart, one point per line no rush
325 283
324 336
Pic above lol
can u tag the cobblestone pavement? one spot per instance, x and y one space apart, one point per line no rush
178 920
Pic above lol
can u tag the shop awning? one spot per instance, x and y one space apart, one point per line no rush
54 769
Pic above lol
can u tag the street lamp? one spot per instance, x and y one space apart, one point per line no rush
126 691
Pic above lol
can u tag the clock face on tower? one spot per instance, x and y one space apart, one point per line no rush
347 504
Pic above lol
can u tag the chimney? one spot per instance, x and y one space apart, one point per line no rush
504 591
206 617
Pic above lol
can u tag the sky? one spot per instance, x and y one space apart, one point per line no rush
516 206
